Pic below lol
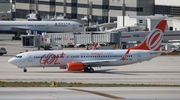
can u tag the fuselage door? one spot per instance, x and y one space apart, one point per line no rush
74 26
47 26
30 57
139 56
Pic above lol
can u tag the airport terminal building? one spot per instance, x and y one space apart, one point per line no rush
101 11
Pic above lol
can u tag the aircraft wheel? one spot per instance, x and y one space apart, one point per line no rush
25 70
13 38
86 69
91 70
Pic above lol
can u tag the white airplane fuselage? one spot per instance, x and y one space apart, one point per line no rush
44 26
62 57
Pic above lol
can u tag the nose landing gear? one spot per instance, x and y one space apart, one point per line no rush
25 70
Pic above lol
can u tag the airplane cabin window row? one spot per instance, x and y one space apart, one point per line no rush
86 56
22 25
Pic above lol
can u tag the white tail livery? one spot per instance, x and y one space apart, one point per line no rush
78 60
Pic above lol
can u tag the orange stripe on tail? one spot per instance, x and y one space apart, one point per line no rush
154 39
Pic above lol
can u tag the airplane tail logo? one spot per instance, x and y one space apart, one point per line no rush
154 39
95 45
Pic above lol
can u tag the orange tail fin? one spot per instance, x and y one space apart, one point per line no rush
154 39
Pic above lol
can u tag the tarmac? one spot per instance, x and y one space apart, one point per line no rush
90 93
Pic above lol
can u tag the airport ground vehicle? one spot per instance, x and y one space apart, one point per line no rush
176 49
2 51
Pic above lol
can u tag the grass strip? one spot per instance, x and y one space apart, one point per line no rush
64 84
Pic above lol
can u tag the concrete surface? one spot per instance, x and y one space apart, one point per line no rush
54 93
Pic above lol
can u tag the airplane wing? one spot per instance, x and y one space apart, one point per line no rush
21 28
96 62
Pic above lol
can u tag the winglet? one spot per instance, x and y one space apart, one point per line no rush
154 39
125 55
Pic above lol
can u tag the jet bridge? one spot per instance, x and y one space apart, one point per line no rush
31 40
65 39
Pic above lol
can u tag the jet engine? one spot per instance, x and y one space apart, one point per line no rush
75 66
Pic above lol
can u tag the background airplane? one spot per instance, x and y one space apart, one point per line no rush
19 27
78 60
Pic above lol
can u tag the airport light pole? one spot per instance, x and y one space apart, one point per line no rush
64 8
88 12
123 10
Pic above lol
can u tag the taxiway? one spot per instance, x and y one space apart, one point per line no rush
160 70
90 93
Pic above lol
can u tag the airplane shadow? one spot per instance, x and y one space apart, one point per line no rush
110 71
105 71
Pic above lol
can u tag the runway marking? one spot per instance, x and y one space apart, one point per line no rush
97 93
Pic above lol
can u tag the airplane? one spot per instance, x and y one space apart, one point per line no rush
19 27
79 60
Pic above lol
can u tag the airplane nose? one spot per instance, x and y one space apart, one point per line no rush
11 61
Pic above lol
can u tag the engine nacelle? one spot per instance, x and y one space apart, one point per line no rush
75 66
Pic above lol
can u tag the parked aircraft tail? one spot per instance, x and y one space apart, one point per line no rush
95 45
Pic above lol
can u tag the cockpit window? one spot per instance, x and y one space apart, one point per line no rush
80 26
18 56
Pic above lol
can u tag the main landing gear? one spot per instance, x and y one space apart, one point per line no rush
17 36
89 69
